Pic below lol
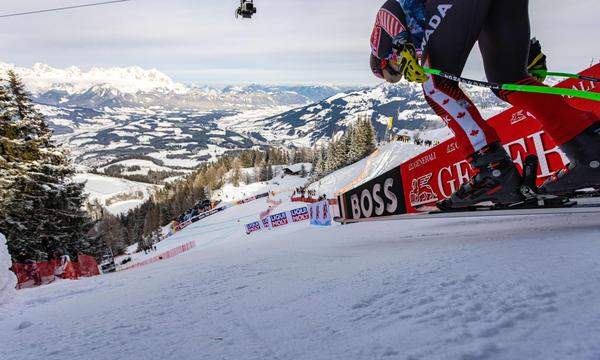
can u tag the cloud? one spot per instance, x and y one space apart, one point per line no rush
310 41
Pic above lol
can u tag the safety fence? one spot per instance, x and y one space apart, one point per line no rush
310 200
176 227
33 274
183 225
163 256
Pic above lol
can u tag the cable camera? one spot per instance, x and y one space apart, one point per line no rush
246 9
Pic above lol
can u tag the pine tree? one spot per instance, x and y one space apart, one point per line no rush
362 142
236 175
41 210
319 169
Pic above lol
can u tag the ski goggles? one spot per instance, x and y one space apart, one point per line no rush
379 65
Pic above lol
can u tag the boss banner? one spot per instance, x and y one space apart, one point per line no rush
382 196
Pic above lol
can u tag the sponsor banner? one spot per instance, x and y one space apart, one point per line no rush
437 173
274 203
309 200
381 196
278 220
245 201
320 215
300 214
197 218
266 222
253 227
260 196
251 198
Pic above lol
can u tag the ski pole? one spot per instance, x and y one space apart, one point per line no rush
565 75
515 87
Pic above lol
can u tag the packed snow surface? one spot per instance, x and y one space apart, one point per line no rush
469 288
7 278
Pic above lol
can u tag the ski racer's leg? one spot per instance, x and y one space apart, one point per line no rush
448 49
456 26
504 44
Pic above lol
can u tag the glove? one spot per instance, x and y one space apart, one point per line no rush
537 60
409 65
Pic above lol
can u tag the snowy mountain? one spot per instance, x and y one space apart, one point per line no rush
320 121
112 115
134 87
41 78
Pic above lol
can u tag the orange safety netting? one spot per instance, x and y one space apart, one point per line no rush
41 273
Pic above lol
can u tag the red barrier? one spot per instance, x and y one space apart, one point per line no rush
87 266
166 255
310 200
437 173
42 273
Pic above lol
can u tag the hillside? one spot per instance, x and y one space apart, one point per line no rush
111 115
117 195
417 289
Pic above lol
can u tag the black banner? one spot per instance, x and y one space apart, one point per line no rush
382 196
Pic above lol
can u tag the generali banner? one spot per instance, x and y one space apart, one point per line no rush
437 173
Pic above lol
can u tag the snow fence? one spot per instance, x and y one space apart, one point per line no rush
32 274
8 280
166 255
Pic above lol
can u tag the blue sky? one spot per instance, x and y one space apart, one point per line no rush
288 42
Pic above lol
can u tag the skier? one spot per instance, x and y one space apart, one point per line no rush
442 33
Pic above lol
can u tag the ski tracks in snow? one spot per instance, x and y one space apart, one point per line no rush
512 288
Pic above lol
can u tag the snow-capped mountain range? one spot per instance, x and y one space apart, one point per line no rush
117 115
314 123
134 86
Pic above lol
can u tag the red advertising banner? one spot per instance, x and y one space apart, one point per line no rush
438 172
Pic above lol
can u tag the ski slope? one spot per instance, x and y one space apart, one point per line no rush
507 288
106 188
383 159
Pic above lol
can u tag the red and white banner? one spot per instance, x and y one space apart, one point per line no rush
163 256
437 173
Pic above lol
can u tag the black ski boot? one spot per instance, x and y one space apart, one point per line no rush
497 180
584 170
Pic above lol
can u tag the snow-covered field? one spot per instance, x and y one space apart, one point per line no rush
106 188
517 288
471 288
